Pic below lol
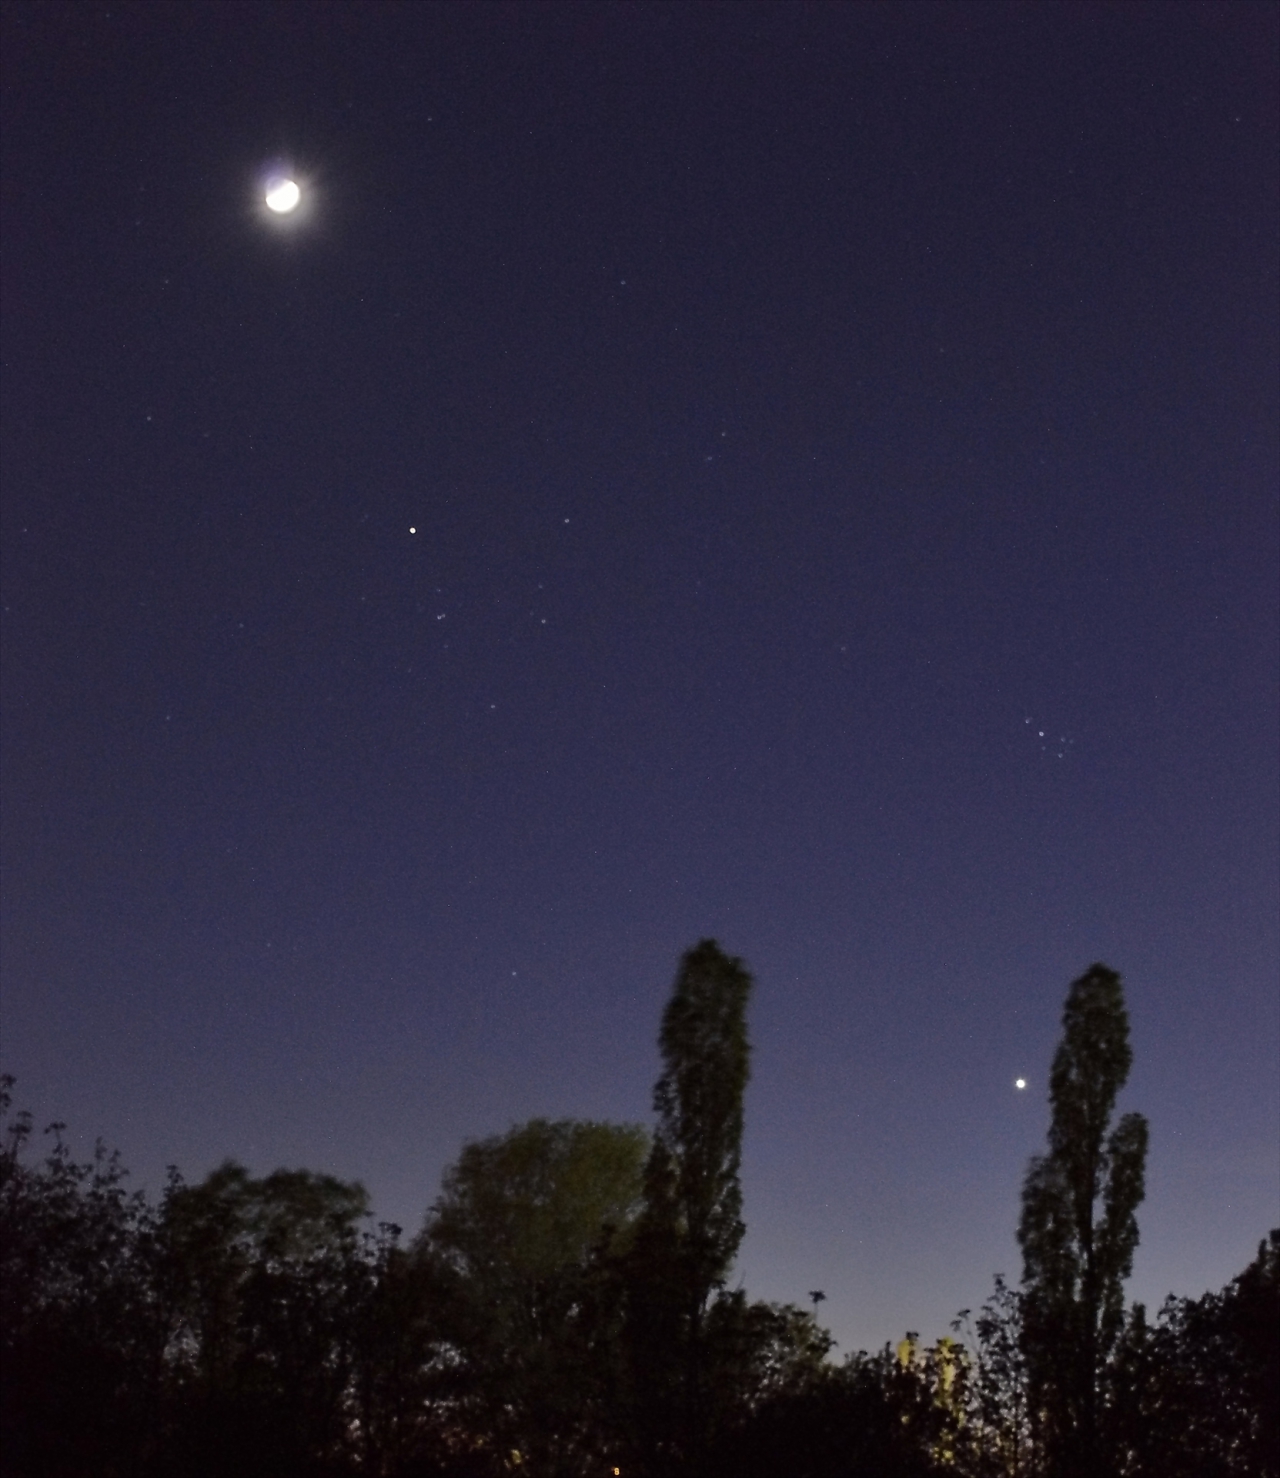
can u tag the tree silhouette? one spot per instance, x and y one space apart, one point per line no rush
522 1243
1197 1394
81 1335
1078 1229
564 1311
691 1225
266 1278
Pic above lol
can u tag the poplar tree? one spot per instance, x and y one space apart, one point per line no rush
691 1224
1079 1228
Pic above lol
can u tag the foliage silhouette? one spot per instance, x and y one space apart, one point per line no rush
264 1279
523 1243
691 1224
1197 1395
564 1311
1078 1228
875 1416
81 1335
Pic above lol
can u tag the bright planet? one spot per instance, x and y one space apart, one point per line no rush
283 196
1019 1082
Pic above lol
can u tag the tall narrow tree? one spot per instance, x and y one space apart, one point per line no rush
691 1225
1079 1229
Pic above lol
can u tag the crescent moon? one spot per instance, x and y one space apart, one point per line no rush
283 196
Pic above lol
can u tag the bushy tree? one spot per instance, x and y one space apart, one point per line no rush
266 1279
894 1414
1197 1394
82 1334
757 1353
242 1326
523 1243
1079 1228
300 1346
1002 1444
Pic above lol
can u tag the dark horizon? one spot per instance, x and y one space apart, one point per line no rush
841 449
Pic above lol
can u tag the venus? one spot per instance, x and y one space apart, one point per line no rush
282 196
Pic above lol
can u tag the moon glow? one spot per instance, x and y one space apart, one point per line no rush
1019 1082
283 196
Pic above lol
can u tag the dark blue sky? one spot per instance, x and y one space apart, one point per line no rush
842 448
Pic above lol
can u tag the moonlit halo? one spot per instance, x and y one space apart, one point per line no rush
282 195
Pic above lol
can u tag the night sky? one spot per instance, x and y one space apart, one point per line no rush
801 475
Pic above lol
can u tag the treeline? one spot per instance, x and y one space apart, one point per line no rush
565 1311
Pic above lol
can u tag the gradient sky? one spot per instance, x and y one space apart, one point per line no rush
842 448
